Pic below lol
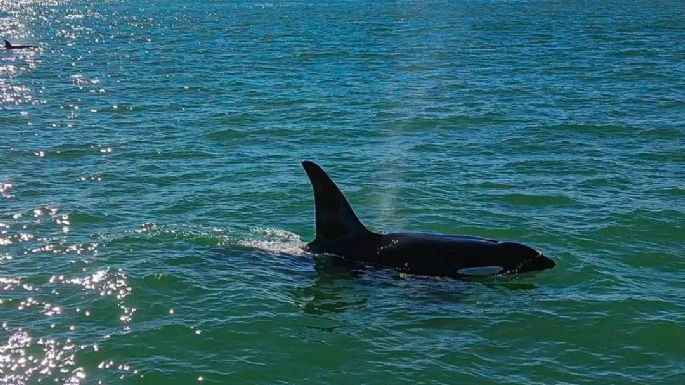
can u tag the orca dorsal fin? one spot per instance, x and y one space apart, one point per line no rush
335 218
7 44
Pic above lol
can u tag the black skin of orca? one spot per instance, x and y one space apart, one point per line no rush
9 45
340 232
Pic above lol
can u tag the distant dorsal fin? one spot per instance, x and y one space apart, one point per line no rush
334 217
7 44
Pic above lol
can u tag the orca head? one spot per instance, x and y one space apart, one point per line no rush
522 259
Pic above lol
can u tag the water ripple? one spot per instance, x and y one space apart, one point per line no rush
153 210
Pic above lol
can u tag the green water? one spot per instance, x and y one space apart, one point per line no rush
153 208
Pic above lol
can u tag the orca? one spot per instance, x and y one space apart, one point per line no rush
340 232
9 45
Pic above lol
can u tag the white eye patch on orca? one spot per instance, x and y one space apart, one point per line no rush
480 270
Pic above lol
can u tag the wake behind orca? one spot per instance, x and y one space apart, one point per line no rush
9 45
340 232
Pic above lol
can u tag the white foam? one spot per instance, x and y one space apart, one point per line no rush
274 241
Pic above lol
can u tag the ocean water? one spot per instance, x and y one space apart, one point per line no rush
153 207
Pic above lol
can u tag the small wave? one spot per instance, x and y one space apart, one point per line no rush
538 199
595 129
227 134
181 231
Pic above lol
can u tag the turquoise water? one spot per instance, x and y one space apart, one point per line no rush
152 204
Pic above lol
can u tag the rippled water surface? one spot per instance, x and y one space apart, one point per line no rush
153 208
